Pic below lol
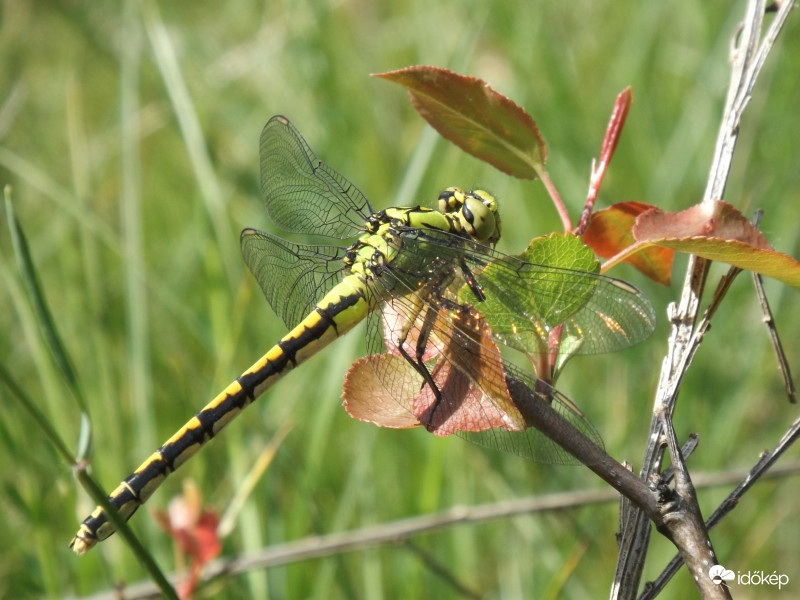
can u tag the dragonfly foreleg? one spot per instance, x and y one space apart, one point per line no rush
417 361
469 278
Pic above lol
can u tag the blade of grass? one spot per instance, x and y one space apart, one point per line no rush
89 484
64 366
31 281
58 352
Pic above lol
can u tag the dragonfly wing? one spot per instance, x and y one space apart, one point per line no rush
532 443
528 301
302 193
294 277
600 314
462 362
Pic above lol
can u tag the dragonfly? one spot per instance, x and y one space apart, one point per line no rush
419 277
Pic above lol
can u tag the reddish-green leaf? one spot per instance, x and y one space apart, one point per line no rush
717 219
614 129
610 233
464 406
479 120
194 529
717 231
471 350
367 399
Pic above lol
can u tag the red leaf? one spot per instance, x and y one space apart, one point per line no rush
610 233
463 404
367 399
207 541
618 116
394 321
194 530
717 220
717 231
479 120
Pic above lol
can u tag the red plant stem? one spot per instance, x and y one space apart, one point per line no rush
556 198
613 130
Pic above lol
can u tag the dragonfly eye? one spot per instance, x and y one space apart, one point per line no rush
478 215
486 198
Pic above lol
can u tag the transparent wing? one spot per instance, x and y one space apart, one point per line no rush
294 277
528 302
424 322
302 193
464 365
532 443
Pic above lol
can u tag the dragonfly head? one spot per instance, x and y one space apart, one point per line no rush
476 210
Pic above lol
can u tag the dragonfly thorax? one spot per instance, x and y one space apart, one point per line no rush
471 214
367 256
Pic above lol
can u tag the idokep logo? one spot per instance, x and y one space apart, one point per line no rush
720 574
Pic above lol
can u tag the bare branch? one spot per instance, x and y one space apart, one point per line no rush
315 547
748 59
769 321
759 470
683 522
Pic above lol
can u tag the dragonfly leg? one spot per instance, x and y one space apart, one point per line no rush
469 278
417 361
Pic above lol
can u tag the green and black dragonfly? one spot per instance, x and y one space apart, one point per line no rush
420 276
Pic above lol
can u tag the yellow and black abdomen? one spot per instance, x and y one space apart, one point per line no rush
341 309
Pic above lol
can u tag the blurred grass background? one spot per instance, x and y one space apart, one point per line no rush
129 134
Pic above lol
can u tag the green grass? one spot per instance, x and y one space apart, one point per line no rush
133 170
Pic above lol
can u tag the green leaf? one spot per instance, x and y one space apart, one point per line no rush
568 347
568 252
562 250
525 319
479 120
